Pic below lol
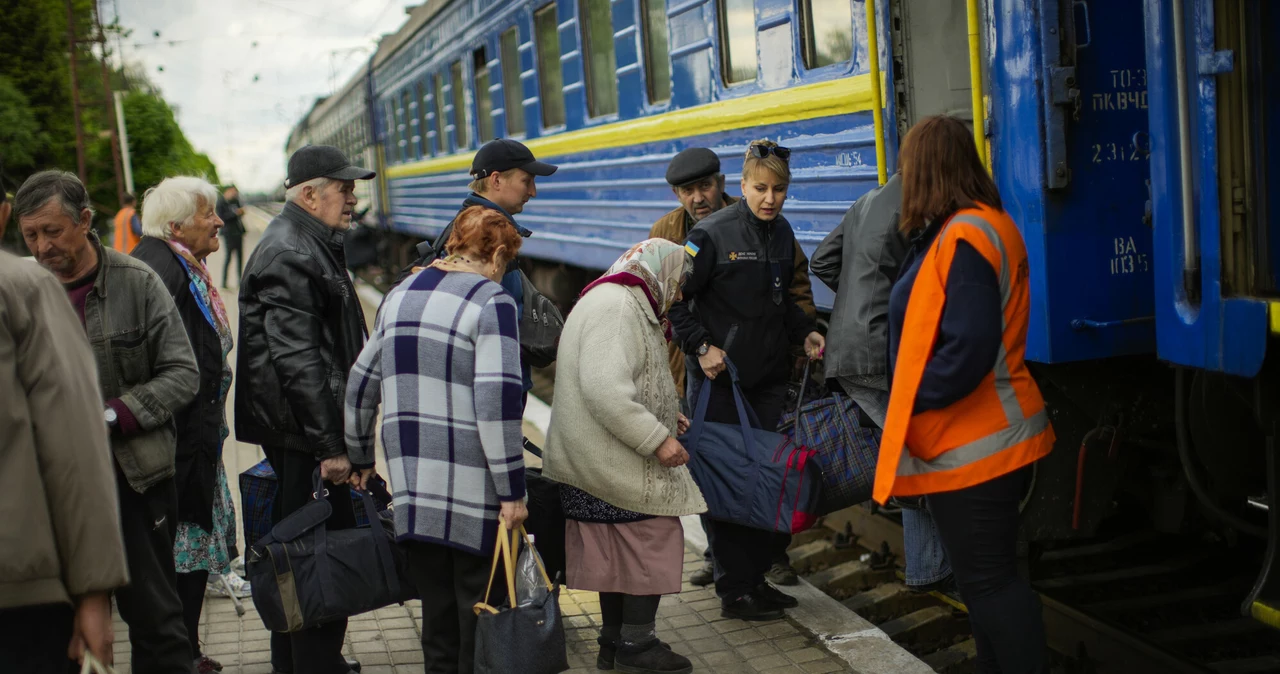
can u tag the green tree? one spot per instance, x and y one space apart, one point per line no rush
157 145
21 138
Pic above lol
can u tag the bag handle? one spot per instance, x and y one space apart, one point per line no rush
501 550
380 542
507 550
746 415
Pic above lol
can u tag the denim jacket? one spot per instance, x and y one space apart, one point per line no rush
144 359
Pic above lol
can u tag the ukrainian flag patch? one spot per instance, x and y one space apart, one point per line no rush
691 249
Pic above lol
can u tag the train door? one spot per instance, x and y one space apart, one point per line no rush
930 60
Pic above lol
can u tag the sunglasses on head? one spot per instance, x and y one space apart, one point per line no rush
761 151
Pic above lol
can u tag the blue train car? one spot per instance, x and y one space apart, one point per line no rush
1134 143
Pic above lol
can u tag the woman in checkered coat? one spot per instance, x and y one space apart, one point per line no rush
444 362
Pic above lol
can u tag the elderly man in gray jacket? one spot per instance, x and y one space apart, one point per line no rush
147 372
56 482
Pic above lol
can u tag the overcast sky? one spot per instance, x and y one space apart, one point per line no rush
205 61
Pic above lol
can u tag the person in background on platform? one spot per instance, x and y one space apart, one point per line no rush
57 484
695 178
502 179
965 419
860 260
749 245
612 446
127 226
301 329
444 360
147 374
231 213
180 230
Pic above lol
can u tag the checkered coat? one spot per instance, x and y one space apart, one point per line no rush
444 362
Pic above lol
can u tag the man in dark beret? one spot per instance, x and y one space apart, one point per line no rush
695 177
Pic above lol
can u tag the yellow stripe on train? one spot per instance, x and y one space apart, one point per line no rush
810 101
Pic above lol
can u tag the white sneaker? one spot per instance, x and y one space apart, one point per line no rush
215 587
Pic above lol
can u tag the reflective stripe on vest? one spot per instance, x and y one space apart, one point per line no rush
1019 437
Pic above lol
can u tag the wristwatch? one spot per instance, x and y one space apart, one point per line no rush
110 415
703 348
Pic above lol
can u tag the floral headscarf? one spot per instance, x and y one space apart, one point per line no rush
658 266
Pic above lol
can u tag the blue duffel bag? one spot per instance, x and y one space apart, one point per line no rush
748 475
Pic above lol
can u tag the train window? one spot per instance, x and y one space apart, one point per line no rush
424 146
512 89
657 58
484 101
738 60
459 105
827 32
402 144
442 122
550 79
389 119
408 137
596 17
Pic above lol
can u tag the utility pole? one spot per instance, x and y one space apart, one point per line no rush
75 96
108 99
123 130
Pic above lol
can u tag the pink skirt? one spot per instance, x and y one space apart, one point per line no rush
645 557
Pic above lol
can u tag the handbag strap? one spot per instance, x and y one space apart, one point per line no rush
322 541
381 543
501 550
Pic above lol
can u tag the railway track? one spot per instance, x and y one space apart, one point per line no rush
1132 600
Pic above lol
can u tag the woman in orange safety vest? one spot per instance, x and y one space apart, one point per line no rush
966 420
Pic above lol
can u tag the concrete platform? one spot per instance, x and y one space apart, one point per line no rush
818 637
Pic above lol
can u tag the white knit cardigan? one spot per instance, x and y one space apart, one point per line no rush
615 403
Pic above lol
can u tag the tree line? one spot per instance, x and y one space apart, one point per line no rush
37 127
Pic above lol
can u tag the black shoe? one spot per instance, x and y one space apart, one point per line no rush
609 652
749 607
703 577
772 596
782 574
652 657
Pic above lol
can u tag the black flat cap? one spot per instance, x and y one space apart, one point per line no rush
505 154
692 164
323 161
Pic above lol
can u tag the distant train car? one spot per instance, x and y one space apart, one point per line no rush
1135 144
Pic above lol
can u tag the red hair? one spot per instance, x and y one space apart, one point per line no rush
479 232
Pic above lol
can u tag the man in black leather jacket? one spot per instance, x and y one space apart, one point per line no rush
301 329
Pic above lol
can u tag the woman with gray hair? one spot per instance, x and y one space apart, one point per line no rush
180 230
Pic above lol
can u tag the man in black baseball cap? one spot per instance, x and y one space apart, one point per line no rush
502 178
300 319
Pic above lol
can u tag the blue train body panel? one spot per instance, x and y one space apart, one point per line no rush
1081 125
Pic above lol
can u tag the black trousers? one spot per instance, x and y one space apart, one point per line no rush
317 650
34 639
979 530
191 588
234 247
741 554
150 603
451 582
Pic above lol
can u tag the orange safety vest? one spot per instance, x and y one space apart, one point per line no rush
125 239
999 427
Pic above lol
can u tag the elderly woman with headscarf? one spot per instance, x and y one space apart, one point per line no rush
612 444
180 230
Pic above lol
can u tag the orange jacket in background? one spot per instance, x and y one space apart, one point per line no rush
1002 425
124 238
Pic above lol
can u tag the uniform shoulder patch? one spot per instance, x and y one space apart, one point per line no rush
691 248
